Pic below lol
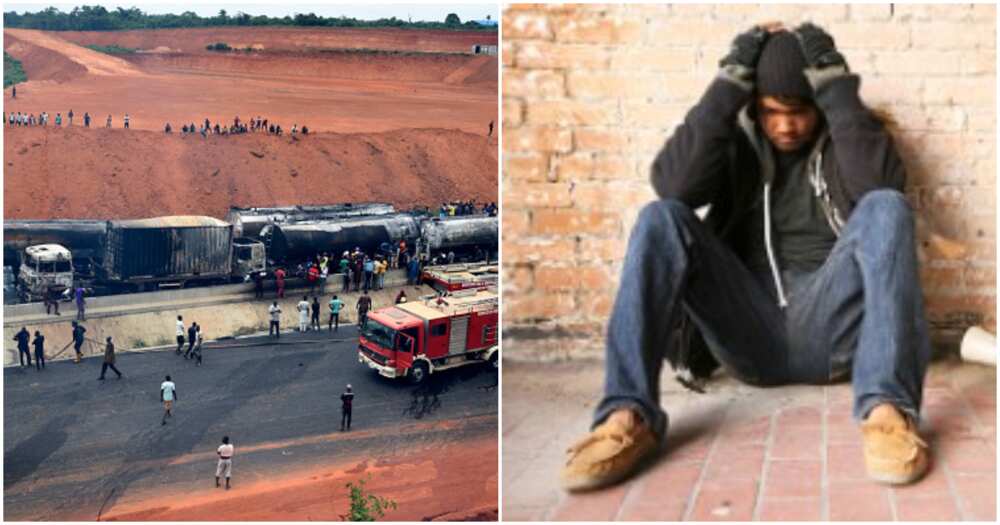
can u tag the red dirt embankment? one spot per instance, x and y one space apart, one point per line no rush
434 484
288 38
117 174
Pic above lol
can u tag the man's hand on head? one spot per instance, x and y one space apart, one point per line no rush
740 64
825 62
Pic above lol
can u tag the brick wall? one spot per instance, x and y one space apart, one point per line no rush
591 92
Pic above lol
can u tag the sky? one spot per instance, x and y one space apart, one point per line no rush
415 11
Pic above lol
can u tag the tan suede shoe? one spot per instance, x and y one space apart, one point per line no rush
607 455
894 453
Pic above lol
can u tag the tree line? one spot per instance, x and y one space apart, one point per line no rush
98 18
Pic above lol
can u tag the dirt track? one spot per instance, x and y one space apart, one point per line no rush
406 127
424 483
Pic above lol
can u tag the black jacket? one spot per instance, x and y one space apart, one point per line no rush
718 157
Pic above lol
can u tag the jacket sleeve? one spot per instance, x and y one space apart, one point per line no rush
864 151
692 164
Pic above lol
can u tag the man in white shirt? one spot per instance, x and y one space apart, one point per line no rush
225 466
303 308
180 334
168 393
275 327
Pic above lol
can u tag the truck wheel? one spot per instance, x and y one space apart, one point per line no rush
419 373
495 360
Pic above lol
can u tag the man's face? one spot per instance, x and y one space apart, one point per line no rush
789 124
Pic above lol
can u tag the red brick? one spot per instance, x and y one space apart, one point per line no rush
794 479
969 456
612 85
596 30
736 462
514 223
933 484
596 306
669 479
731 500
599 505
586 166
533 139
517 279
654 510
572 222
533 84
571 113
861 501
940 508
537 306
526 167
777 509
611 140
513 112
654 58
507 51
798 416
662 116
597 250
522 251
536 195
745 432
845 462
801 442
977 496
526 25
692 449
555 278
550 55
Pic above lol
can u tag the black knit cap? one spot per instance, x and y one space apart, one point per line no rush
779 70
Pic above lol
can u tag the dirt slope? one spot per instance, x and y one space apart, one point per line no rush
288 38
98 173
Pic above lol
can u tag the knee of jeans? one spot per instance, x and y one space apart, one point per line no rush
885 206
664 211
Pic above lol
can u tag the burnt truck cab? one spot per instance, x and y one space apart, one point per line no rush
434 334
249 257
45 267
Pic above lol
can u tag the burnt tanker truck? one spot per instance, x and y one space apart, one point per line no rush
248 222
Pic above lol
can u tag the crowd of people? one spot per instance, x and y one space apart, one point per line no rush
238 127
454 208
20 119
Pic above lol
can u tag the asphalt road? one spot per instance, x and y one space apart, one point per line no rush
74 446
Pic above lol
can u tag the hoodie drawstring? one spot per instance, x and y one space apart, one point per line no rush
776 273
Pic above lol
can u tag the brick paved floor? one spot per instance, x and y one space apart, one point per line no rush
743 453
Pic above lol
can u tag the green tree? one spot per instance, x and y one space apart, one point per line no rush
452 20
364 506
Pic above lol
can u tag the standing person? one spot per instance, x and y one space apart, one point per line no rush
39 343
359 271
54 293
23 337
380 265
312 276
180 334
324 272
58 119
196 353
364 304
126 121
314 323
225 466
346 406
192 332
86 119
258 285
335 305
13 92
168 393
80 303
369 272
413 271
279 281
109 360
303 308
345 271
70 115
275 327
108 125
78 331
490 133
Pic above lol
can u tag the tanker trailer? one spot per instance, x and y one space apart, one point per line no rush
469 237
247 222
297 242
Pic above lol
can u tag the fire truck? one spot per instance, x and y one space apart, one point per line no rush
433 334
454 277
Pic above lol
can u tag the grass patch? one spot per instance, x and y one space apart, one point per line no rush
13 73
138 343
112 49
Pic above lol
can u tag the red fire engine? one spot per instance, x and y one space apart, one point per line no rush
453 277
434 334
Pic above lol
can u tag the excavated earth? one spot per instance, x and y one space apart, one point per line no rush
394 115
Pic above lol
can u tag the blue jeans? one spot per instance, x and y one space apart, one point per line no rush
861 314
